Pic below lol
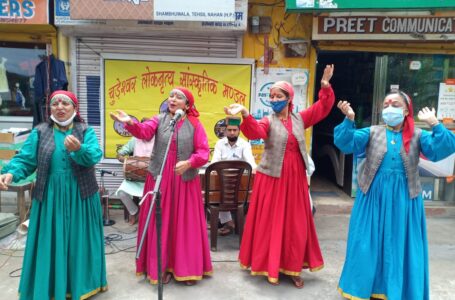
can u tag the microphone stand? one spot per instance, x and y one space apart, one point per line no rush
156 200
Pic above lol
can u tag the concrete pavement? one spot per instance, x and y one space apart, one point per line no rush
230 282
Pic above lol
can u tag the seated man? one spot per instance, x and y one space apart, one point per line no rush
129 189
231 147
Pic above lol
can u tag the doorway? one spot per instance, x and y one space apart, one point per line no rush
353 81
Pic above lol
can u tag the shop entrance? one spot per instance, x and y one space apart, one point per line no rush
364 78
353 81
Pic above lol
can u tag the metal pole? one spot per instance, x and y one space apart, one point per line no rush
157 202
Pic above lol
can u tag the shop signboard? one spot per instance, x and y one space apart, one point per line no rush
383 27
337 5
24 12
162 10
195 10
63 17
140 86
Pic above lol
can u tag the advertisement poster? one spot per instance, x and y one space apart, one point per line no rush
446 100
141 88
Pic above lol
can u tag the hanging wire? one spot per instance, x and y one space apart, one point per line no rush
267 4
94 51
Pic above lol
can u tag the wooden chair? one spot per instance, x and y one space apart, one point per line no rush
224 191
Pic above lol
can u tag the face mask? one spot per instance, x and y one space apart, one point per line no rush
393 116
63 123
278 106
232 139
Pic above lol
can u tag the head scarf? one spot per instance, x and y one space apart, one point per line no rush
408 126
287 87
66 96
191 112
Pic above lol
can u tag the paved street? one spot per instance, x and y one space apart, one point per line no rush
230 282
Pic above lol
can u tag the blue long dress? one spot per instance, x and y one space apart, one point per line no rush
387 248
64 254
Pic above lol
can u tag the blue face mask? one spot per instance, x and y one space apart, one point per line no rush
393 116
278 106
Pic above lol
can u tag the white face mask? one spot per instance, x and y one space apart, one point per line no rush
63 123
393 116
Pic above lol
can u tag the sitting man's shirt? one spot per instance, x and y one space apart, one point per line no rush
241 150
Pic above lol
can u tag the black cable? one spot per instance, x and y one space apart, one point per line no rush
110 239
12 272
94 51
266 4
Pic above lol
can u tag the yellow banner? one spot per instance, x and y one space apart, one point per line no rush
141 88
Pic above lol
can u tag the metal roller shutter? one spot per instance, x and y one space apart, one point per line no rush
87 54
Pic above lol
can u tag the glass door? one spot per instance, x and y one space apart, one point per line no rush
419 75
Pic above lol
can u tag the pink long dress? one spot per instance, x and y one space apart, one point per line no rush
185 248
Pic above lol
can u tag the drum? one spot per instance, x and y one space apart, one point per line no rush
135 168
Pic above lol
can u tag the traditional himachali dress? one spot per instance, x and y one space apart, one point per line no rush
64 254
185 249
387 250
280 235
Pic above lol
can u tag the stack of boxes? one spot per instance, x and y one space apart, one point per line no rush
11 140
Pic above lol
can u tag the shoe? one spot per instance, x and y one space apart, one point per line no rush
167 277
297 281
227 229
190 282
273 283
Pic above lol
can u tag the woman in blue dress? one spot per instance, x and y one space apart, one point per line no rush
64 255
387 248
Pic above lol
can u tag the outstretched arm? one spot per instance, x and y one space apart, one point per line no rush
346 137
326 97
438 144
251 128
24 163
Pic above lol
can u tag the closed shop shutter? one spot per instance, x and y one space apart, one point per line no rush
88 51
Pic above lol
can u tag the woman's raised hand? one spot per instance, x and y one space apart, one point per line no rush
328 73
121 116
428 116
346 109
235 108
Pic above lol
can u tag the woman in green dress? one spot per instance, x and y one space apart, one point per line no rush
64 255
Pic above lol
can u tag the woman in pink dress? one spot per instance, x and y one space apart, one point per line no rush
279 235
185 249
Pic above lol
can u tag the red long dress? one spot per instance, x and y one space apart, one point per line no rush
279 234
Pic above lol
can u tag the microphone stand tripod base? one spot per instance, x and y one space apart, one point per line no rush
107 222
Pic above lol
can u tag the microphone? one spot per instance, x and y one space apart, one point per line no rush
179 113
102 171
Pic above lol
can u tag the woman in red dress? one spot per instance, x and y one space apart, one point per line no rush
279 234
